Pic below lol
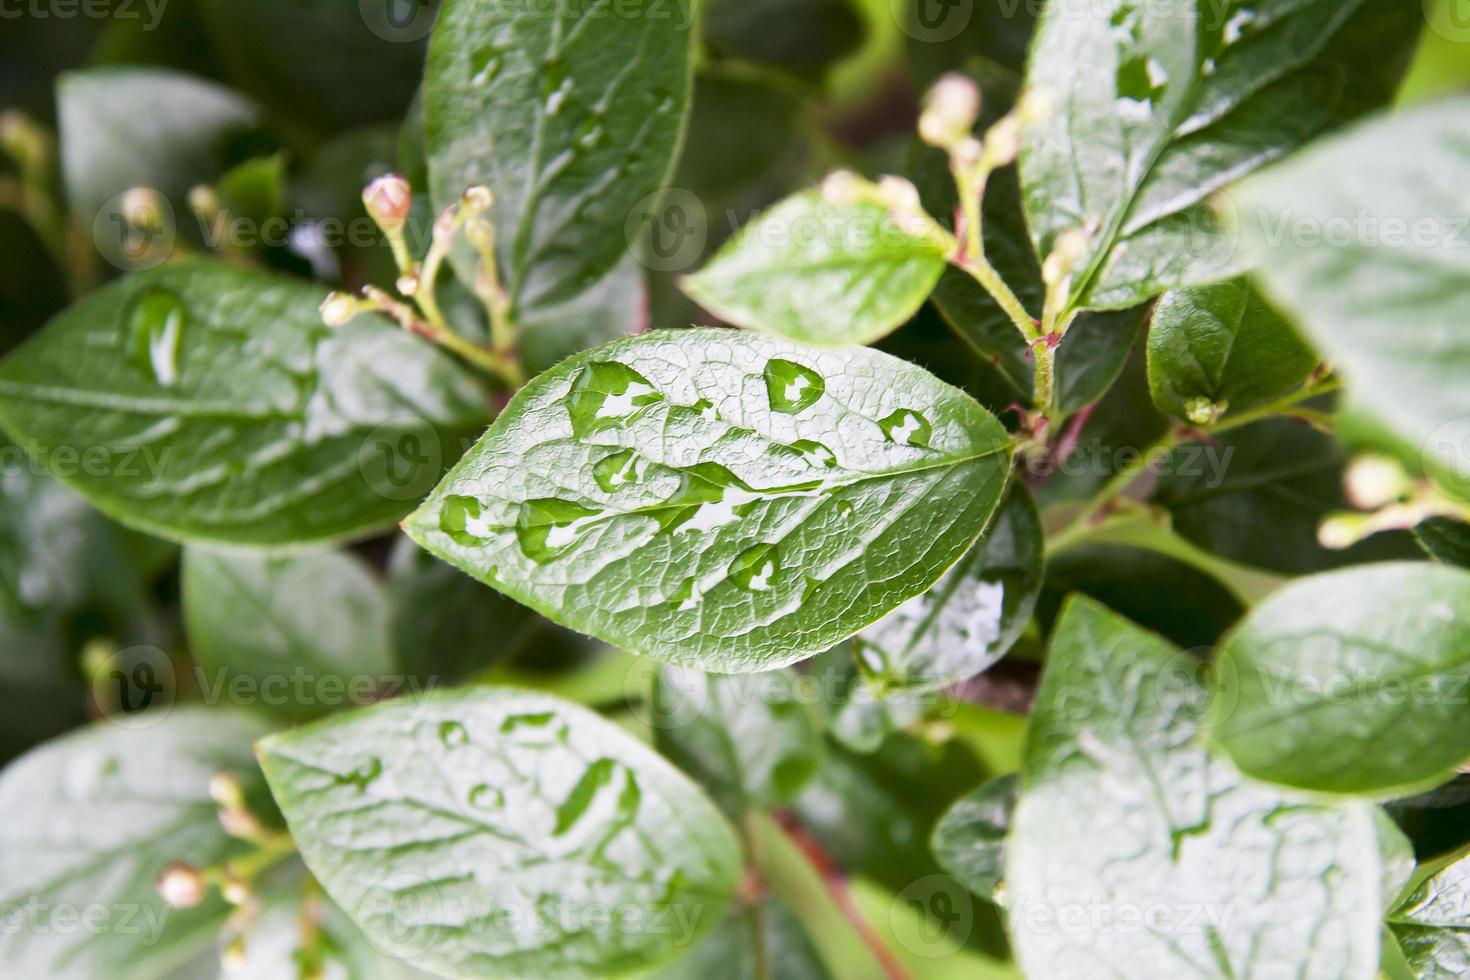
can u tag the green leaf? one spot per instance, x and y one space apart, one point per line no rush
1445 539
749 739
1158 106
297 636
1436 822
969 840
571 115
191 132
1132 844
210 403
820 273
1352 682
758 942
460 830
1219 349
90 821
1258 494
1371 259
1432 925
718 499
971 617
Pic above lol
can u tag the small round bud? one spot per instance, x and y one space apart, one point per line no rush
241 824
1375 481
1069 249
408 284
841 188
142 207
1003 142
388 200
444 227
224 788
181 886
950 111
236 891
338 308
204 201
477 199
900 195
1203 411
1341 531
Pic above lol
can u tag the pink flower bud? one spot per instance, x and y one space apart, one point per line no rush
181 886
388 200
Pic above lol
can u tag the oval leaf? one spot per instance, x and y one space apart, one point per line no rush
1352 682
721 500
969 840
443 825
90 821
1432 925
820 273
1132 844
570 113
1157 106
298 636
211 403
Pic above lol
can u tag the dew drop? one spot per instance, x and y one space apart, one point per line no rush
461 518
364 775
486 797
1237 26
791 387
155 330
453 734
689 596
540 719
607 395
812 453
755 569
548 528
620 470
709 497
907 428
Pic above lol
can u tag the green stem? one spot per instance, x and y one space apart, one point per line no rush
1282 406
269 852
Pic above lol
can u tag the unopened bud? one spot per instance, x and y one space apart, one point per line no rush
338 308
1375 481
204 202
408 284
241 824
900 195
26 142
181 886
388 200
142 207
1003 142
841 188
1203 411
236 891
477 199
1069 249
444 227
1342 531
950 111
224 788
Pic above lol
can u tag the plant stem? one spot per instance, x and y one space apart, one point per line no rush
507 369
1282 406
757 907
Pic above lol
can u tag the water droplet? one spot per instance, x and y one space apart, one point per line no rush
486 797
364 775
1141 82
548 528
460 518
487 62
810 452
538 720
453 734
812 585
606 395
556 84
601 774
591 133
689 595
709 497
155 329
792 387
755 569
907 428
664 100
620 470
1237 26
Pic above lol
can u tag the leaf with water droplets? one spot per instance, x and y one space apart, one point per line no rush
820 273
748 738
210 403
477 833
767 499
971 617
302 635
571 113
1125 817
1352 681
969 840
1432 925
92 818
1157 106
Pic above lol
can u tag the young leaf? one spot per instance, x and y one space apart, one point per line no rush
969 840
92 818
446 827
1445 539
718 499
1432 925
1352 682
298 636
184 138
211 403
571 114
1371 259
820 273
1132 844
1218 349
762 941
747 738
1157 106
971 617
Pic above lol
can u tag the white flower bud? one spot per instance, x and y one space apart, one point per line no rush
477 199
338 308
388 200
142 207
1203 411
1375 481
408 284
1341 531
841 188
900 195
950 111
224 788
181 886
